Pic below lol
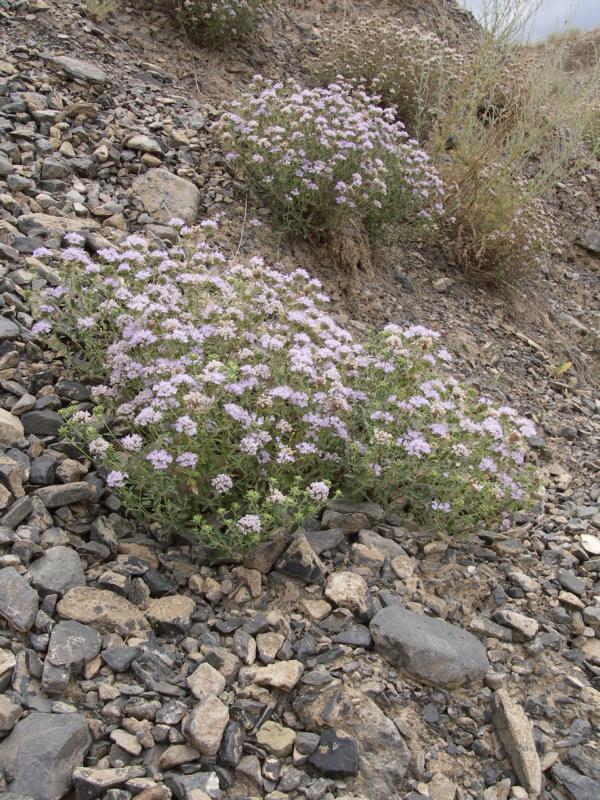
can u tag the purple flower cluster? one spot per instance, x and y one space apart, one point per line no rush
322 155
240 400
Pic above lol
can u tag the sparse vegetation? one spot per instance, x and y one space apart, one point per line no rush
234 403
501 124
213 22
322 156
99 10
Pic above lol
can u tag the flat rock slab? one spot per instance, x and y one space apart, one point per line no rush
516 734
104 610
49 222
80 70
64 494
18 601
42 752
579 787
91 783
429 649
165 195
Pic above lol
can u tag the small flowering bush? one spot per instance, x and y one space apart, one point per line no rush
409 68
215 21
233 403
319 156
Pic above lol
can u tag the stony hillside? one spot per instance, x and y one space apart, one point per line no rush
362 658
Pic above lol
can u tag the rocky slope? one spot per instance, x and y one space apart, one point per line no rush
359 658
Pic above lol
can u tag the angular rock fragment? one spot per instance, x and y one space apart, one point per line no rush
205 725
91 783
336 755
301 561
18 601
41 753
80 70
57 571
165 195
429 649
105 610
515 732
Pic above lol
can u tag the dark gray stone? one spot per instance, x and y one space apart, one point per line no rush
65 494
355 636
43 470
232 744
325 540
18 601
119 658
183 785
336 756
571 582
91 783
42 752
8 329
577 786
42 423
429 649
301 561
57 571
73 391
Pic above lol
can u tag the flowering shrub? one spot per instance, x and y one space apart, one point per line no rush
233 403
214 21
411 69
320 156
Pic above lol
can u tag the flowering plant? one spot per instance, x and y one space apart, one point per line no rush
233 403
319 156
215 21
408 67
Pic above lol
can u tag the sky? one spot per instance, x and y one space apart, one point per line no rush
555 15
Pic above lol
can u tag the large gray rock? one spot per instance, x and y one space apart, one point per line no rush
42 752
429 649
80 70
165 195
63 494
18 601
57 571
590 241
